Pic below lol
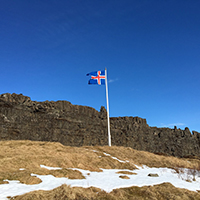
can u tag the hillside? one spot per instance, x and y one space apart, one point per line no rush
93 172
73 125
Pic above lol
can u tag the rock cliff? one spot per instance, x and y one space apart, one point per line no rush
73 125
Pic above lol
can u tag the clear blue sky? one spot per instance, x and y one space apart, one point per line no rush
151 49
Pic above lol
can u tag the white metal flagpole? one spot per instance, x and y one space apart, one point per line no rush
106 82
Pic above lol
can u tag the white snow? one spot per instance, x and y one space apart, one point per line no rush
50 168
106 180
106 154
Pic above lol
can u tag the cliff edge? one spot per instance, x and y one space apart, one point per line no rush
73 125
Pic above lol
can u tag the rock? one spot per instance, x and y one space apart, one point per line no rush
103 113
73 125
153 175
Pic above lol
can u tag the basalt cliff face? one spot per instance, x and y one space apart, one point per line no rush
73 125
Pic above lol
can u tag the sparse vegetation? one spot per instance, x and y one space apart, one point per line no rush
29 155
126 172
164 191
124 177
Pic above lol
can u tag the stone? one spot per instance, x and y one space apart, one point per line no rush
73 125
153 175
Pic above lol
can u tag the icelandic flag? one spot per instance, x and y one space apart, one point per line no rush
97 77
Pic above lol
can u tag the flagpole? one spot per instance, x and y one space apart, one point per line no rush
106 82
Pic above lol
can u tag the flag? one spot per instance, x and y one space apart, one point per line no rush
100 78
97 77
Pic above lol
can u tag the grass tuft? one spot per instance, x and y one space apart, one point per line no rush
29 155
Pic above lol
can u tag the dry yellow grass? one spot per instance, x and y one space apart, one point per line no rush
145 158
164 191
124 177
126 172
30 155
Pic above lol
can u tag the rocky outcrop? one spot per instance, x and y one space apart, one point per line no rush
73 125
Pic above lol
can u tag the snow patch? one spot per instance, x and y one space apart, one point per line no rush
50 168
107 180
106 154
